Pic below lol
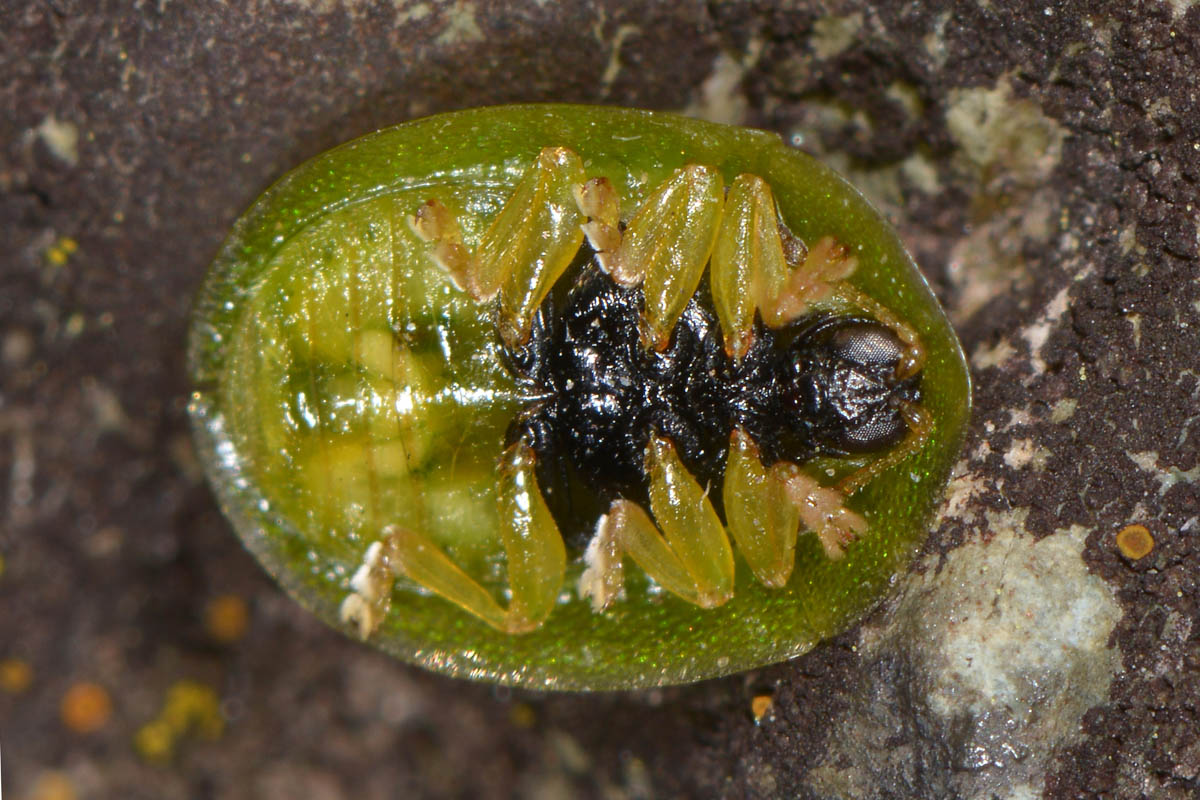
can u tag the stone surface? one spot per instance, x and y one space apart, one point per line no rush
989 661
1039 159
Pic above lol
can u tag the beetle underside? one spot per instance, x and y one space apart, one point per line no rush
677 411
823 385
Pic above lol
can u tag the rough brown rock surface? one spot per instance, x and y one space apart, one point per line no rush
1043 163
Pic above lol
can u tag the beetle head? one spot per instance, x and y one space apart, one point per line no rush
842 371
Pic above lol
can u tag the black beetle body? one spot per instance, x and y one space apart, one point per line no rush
824 385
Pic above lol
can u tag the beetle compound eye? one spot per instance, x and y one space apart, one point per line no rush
868 343
885 428
563 410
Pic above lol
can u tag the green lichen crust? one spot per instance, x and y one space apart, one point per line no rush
343 384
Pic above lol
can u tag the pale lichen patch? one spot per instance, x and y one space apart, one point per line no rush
1004 135
1005 637
1018 417
833 35
964 487
1005 631
1024 453
986 356
16 348
108 415
1168 477
406 10
1038 333
461 26
990 260
907 96
1063 410
921 172
935 40
1127 239
613 68
61 138
721 98
413 13
317 6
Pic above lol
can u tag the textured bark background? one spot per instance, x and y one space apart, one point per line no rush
1040 159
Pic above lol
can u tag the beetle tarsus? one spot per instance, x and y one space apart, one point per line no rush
823 511
367 604
603 576
435 223
599 202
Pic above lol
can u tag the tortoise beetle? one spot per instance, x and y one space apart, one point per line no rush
553 396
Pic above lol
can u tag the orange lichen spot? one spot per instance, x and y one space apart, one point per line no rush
189 708
53 785
86 707
1135 541
15 675
760 707
226 618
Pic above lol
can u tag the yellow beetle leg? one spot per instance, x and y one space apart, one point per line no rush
526 247
532 544
666 246
749 267
627 530
406 552
691 558
745 271
689 522
820 274
535 237
762 521
537 558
